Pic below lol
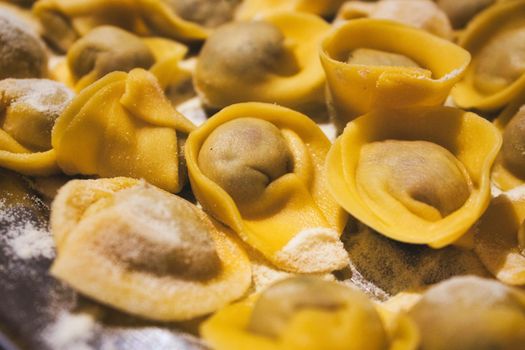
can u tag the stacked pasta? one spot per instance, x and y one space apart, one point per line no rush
171 221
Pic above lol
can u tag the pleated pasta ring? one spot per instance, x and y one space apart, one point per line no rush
417 175
116 126
258 169
497 74
288 316
106 49
372 63
269 59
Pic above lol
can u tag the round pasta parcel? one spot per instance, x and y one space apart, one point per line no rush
419 175
461 12
64 21
106 49
496 41
371 63
470 313
424 14
306 313
252 8
28 111
123 125
22 53
270 59
144 251
499 239
258 169
509 170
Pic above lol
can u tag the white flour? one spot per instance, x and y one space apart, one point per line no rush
316 249
70 332
24 239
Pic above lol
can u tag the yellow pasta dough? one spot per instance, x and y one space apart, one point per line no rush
423 14
266 183
416 175
496 40
28 110
304 313
271 59
64 21
145 251
500 237
356 88
123 125
106 49
252 8
470 313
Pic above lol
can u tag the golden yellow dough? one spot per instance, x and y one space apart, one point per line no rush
417 175
470 313
303 313
249 9
496 41
123 125
356 88
500 237
269 59
28 111
145 251
258 168
424 14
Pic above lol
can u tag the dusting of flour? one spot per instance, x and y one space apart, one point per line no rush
71 331
24 239
316 249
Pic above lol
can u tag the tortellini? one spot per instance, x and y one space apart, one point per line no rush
272 59
253 8
64 21
500 237
123 125
509 169
28 110
424 14
470 313
303 313
258 168
418 175
143 250
356 88
208 13
106 49
496 40
461 12
22 54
